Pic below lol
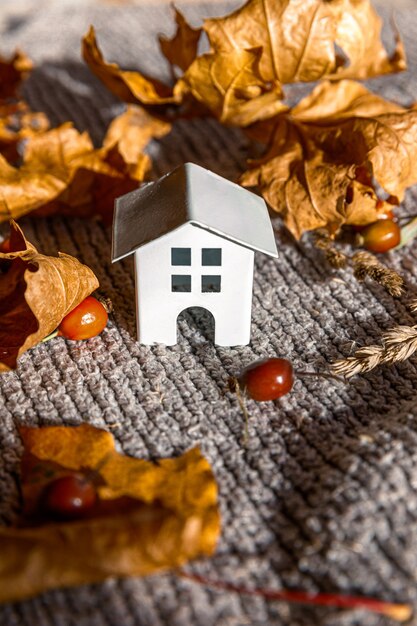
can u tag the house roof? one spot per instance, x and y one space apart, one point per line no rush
192 194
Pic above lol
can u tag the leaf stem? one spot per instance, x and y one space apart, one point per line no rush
399 612
50 336
242 404
321 375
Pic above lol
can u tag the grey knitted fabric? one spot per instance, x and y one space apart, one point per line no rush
324 496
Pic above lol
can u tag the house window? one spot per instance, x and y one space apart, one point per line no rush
210 284
180 282
180 256
211 256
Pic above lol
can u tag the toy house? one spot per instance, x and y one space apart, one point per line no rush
194 234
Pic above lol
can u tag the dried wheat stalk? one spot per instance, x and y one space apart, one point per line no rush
334 256
413 306
397 345
365 264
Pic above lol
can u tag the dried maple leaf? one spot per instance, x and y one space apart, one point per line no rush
36 292
62 172
12 72
325 172
300 39
18 122
130 86
231 87
172 514
228 85
181 50
127 136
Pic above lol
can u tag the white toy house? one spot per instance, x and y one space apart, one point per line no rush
194 234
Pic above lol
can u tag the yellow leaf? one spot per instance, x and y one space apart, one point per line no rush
36 292
230 86
17 122
359 36
128 135
181 50
172 514
324 171
62 172
129 86
299 37
12 72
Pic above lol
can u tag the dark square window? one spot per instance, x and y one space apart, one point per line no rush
210 284
181 256
211 256
180 282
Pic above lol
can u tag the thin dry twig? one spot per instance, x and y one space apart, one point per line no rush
398 344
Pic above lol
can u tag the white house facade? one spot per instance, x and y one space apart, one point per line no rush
192 267
193 234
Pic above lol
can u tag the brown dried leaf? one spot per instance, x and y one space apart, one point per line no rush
172 517
12 72
299 39
231 87
36 292
129 86
62 172
126 138
18 122
181 50
359 36
323 172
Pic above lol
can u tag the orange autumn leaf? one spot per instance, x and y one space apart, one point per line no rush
18 122
181 50
12 72
36 292
62 172
126 138
172 514
327 171
130 86
228 85
300 39
231 87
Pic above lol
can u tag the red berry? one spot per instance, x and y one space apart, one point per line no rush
87 320
381 236
5 246
267 379
68 497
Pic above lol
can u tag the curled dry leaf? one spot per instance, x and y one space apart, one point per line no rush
230 86
300 39
150 516
12 72
128 135
254 51
36 292
328 171
18 122
181 50
131 87
62 172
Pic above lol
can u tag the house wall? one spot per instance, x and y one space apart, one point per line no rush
158 307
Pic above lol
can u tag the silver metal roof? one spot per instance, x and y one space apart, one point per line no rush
193 194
